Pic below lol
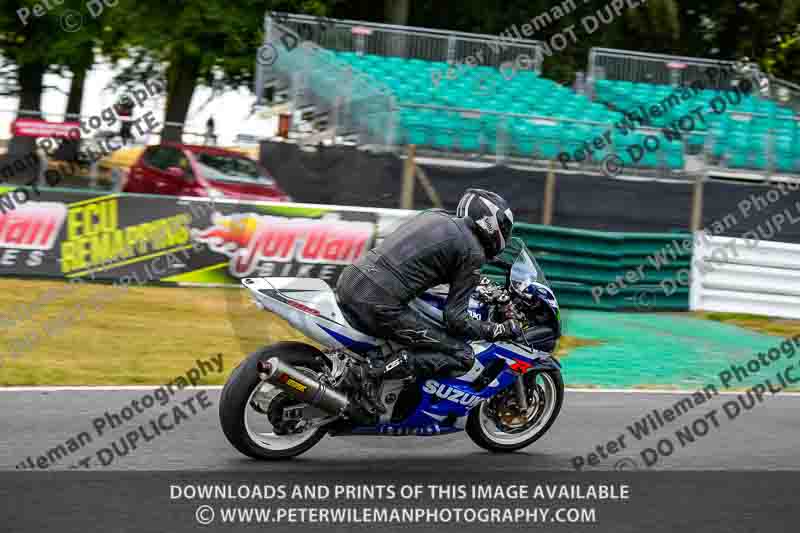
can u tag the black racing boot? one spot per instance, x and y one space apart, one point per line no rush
399 367
363 383
372 384
375 372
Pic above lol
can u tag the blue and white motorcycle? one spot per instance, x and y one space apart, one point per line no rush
284 398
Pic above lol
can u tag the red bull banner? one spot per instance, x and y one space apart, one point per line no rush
193 241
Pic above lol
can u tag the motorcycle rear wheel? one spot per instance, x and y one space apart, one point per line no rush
546 390
242 388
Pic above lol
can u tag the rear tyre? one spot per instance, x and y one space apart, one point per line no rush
485 425
237 398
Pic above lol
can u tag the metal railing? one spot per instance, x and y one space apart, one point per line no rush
785 93
645 67
412 42
766 151
356 103
664 69
319 78
523 139
302 58
493 137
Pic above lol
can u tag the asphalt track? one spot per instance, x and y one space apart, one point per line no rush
763 438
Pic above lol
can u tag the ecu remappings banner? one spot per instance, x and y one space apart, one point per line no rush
183 240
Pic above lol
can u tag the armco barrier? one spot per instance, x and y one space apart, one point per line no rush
69 234
746 276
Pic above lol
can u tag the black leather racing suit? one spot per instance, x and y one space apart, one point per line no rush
432 248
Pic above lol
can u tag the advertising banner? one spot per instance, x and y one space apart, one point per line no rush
79 235
32 127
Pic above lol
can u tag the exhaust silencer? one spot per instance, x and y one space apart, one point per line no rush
301 386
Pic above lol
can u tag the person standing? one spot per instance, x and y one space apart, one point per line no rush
210 137
124 110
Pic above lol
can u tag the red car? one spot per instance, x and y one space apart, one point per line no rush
192 170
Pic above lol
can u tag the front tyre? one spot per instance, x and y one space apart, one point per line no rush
499 425
248 405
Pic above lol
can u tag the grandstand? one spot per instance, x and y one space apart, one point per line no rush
393 86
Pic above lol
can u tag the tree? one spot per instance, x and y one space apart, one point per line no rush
783 58
213 42
25 62
731 29
396 11
36 40
72 49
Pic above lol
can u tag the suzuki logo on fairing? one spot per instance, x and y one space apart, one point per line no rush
452 394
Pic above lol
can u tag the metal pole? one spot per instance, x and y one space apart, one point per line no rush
428 186
407 196
451 49
549 195
697 202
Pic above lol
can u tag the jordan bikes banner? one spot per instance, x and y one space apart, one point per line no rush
182 240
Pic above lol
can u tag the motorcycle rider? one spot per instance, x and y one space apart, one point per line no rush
430 249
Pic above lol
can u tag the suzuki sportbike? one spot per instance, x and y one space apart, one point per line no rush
284 398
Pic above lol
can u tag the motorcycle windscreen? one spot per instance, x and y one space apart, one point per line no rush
524 268
527 280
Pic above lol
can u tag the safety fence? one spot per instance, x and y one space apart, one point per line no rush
746 275
307 59
536 140
409 42
354 102
664 69
757 138
73 234
658 69
345 70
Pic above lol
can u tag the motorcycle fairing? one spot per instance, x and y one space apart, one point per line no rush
310 306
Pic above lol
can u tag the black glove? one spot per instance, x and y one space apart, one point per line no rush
508 330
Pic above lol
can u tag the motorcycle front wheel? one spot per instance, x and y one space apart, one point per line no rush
500 425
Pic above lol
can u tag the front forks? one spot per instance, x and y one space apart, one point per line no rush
522 396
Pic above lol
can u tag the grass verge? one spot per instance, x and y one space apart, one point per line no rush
779 327
142 335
